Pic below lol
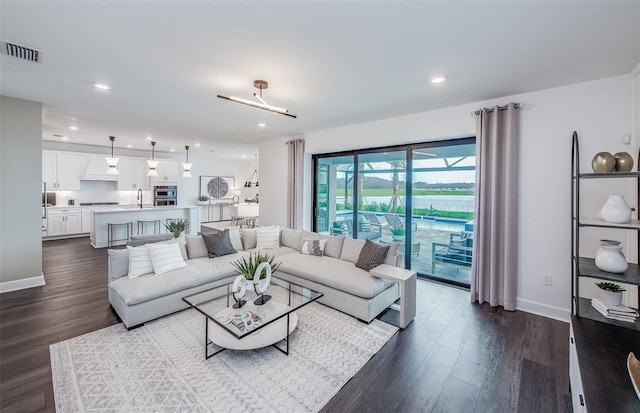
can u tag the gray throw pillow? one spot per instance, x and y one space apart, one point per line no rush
372 255
138 240
218 244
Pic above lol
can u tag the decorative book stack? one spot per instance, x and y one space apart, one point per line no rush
617 312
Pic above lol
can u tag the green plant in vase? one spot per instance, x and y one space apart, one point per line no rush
610 293
397 232
248 267
203 198
177 227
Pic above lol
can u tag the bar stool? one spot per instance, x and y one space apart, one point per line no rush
143 222
111 226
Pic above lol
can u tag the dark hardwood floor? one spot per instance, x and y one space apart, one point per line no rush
454 357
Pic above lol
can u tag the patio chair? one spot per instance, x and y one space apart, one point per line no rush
458 252
395 221
345 227
374 221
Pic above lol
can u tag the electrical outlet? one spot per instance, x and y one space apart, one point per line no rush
547 280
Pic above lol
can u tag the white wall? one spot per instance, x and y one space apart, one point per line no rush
600 111
20 193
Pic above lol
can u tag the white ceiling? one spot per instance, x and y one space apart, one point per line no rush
330 63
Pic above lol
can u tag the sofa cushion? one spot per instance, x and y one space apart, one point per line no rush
267 237
291 238
197 272
165 257
138 240
334 273
273 251
139 261
372 255
118 263
351 249
313 247
196 248
249 239
218 244
392 255
333 246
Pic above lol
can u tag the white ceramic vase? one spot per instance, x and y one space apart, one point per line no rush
609 258
611 298
616 210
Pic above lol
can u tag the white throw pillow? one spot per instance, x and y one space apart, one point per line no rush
313 247
139 261
268 237
351 249
248 238
234 236
165 257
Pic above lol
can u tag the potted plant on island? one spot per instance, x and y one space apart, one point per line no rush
611 293
397 233
203 200
177 227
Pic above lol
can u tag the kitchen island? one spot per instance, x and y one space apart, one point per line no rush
101 217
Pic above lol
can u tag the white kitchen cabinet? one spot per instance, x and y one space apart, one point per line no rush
61 171
133 175
86 222
64 221
167 172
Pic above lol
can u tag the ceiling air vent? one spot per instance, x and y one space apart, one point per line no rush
21 52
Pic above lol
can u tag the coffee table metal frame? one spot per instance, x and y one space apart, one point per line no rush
292 287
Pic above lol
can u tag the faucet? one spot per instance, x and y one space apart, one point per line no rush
140 197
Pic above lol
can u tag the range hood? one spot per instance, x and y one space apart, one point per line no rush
96 170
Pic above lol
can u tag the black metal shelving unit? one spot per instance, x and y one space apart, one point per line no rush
585 267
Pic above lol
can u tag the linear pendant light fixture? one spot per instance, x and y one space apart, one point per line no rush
187 166
260 85
152 162
111 161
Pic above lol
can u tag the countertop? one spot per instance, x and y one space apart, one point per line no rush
133 208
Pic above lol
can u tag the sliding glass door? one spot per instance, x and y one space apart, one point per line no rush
419 196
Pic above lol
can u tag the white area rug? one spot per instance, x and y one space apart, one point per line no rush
160 367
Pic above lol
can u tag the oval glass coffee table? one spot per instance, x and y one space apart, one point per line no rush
252 326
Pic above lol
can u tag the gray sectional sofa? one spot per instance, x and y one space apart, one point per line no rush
346 287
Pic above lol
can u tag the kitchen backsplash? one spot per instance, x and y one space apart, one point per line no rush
101 191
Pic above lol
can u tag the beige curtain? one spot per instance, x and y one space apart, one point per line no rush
295 181
495 259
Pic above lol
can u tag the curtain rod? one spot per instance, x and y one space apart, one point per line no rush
515 106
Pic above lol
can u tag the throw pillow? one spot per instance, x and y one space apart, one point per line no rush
351 249
236 240
181 241
118 263
267 237
218 244
196 248
139 261
165 257
248 238
313 247
138 240
372 255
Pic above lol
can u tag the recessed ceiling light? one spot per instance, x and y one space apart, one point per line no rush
243 156
73 127
197 144
64 138
101 86
129 146
149 138
262 125
438 78
172 150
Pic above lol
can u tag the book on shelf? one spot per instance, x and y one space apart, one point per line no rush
629 318
614 309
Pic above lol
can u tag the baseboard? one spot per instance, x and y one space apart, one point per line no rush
22 284
545 310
